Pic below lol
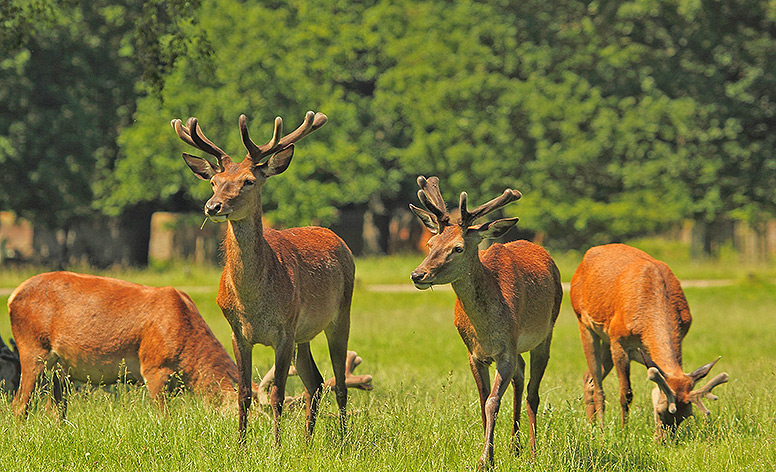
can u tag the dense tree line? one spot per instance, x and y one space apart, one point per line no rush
614 118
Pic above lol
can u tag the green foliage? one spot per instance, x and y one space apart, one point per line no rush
286 70
69 74
615 119
64 93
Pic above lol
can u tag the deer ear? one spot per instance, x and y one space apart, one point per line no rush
703 371
201 167
427 218
278 163
494 229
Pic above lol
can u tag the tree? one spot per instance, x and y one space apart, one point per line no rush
312 58
66 91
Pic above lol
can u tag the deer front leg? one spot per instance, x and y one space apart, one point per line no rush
504 371
482 379
59 390
243 350
621 363
157 381
284 352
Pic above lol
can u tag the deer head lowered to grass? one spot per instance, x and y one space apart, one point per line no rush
508 300
92 326
631 307
278 288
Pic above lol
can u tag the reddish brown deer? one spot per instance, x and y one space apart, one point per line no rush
508 300
631 307
89 325
278 288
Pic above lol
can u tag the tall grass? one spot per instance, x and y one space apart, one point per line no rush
423 413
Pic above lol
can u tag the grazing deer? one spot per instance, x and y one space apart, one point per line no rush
631 307
508 300
90 325
278 288
10 369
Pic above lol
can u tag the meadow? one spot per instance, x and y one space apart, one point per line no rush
423 413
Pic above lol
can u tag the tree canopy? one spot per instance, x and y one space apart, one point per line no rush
614 119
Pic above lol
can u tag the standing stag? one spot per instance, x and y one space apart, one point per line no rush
278 288
508 300
631 307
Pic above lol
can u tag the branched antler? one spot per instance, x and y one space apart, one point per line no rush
192 135
467 217
654 375
696 396
431 198
312 121
361 382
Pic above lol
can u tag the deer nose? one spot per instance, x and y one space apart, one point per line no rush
212 208
417 276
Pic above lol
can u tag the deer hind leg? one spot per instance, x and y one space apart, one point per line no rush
593 378
604 357
337 337
540 356
621 363
504 373
518 382
284 353
313 383
32 362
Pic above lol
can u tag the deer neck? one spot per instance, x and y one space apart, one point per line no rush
245 248
664 340
667 354
477 289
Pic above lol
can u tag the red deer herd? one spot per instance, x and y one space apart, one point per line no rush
281 288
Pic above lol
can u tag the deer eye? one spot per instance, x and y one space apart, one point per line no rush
458 249
248 182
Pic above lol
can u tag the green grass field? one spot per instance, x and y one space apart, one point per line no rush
423 413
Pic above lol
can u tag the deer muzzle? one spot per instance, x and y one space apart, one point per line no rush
216 211
418 278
